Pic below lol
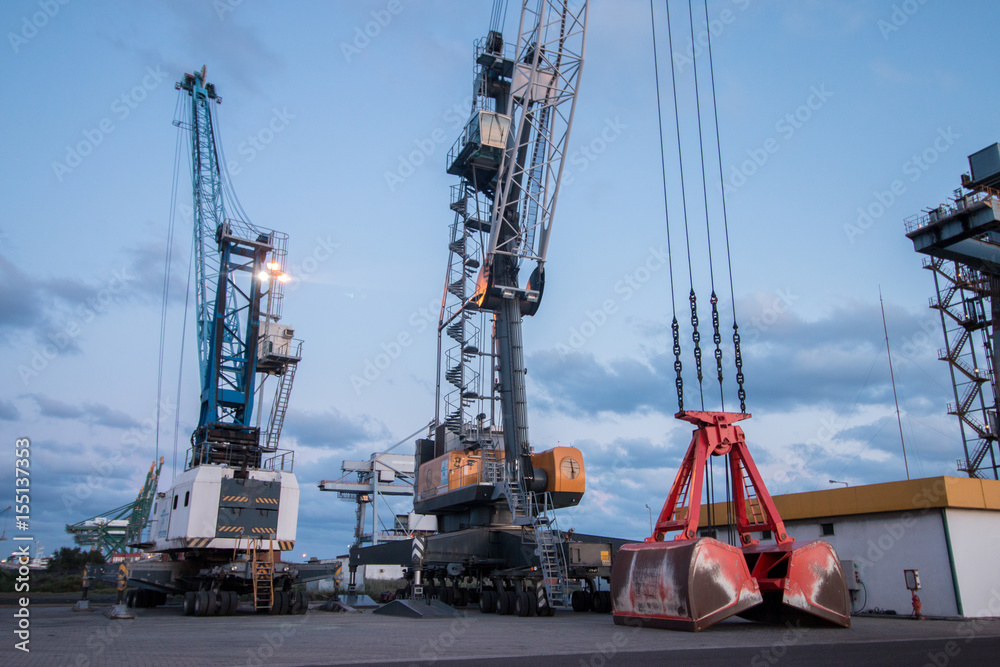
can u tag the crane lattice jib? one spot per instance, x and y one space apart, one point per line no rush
542 100
233 260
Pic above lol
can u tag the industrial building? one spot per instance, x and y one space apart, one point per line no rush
946 528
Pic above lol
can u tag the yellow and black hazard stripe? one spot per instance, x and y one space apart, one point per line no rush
286 545
235 499
231 529
197 542
267 501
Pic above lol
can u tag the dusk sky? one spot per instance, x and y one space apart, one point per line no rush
837 121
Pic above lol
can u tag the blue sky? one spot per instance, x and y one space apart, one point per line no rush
837 121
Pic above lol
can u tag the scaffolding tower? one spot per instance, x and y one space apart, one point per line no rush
962 238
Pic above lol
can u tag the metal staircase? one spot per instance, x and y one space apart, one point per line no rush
280 405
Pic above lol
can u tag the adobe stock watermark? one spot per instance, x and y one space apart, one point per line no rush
85 313
128 444
420 320
913 169
785 127
901 14
30 25
625 288
121 108
774 307
224 7
726 17
364 34
255 143
454 118
584 156
323 250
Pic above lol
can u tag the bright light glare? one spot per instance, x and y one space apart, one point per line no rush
273 266
283 277
263 275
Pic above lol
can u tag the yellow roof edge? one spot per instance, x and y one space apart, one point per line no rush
902 496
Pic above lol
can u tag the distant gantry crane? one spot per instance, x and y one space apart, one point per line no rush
962 239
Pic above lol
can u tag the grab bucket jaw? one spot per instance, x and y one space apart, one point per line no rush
802 586
681 585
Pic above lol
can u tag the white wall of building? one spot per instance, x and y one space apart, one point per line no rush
885 544
975 544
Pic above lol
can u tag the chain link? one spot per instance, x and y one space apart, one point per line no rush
679 382
739 368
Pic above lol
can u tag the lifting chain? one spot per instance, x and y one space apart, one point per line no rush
677 364
716 336
695 335
739 368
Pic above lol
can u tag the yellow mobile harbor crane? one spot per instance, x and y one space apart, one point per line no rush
490 494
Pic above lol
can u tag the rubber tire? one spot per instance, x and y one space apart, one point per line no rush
580 601
201 603
284 597
222 603
189 600
461 597
300 602
600 602
213 604
506 602
130 597
525 605
488 602
234 601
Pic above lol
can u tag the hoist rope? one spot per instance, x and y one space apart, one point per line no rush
692 297
738 357
714 300
165 293
674 327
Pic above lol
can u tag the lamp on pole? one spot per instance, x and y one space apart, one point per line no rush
650 519
836 481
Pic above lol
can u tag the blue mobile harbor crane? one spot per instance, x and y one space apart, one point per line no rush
219 530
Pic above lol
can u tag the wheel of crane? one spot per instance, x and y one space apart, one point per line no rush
525 605
222 603
189 600
234 601
505 605
301 604
488 602
580 601
286 601
161 598
201 603
213 607
601 602
130 598
461 597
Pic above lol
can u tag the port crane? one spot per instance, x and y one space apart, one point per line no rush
479 478
219 530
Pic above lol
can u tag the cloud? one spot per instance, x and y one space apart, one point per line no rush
332 431
9 411
91 413
836 360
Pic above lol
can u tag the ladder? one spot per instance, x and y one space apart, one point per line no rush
545 533
280 406
262 564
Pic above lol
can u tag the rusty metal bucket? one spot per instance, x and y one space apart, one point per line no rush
681 585
802 586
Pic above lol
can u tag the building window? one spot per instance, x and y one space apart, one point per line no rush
826 528
187 496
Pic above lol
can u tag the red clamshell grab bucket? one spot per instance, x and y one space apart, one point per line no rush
681 585
802 586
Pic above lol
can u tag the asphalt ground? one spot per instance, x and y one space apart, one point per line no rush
164 637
